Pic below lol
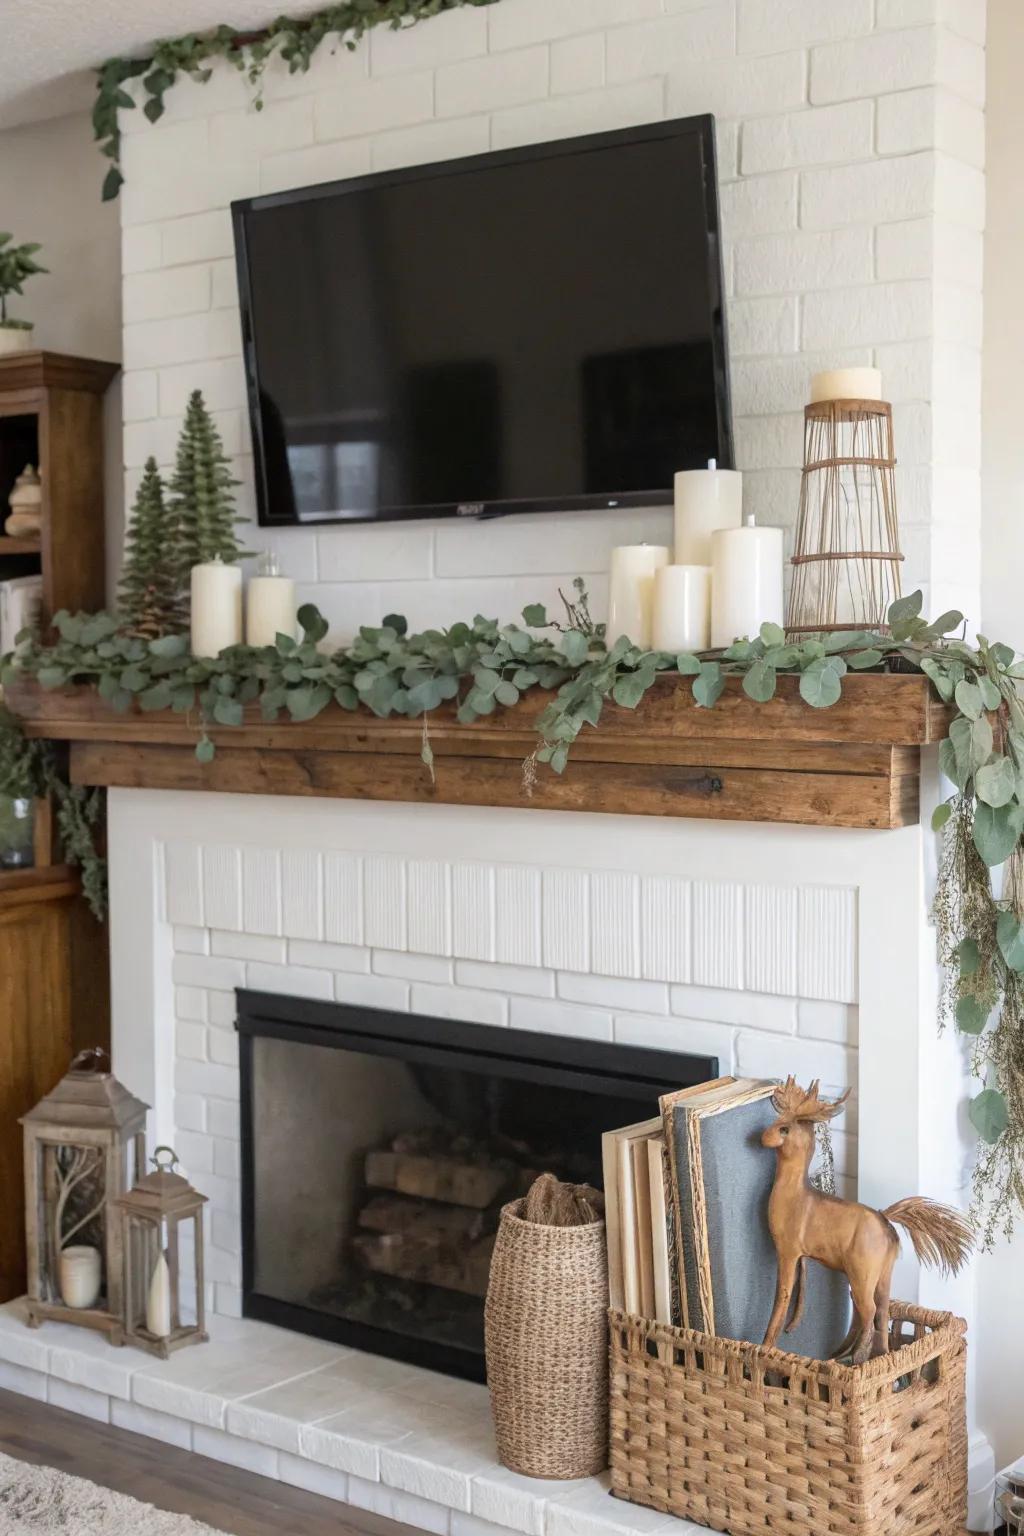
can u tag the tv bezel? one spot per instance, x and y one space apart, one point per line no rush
701 125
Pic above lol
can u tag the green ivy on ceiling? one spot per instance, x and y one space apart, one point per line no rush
295 40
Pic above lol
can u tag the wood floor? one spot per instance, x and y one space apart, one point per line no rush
232 1501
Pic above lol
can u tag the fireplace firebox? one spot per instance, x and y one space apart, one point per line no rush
378 1149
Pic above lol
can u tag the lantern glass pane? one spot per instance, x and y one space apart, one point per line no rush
74 1214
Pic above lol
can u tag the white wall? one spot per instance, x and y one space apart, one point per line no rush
50 176
1003 395
1000 1347
850 138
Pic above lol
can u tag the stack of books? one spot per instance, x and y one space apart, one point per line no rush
686 1210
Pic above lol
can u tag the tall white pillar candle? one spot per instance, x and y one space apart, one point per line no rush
79 1274
216 608
847 384
705 499
269 604
158 1301
746 581
631 591
682 608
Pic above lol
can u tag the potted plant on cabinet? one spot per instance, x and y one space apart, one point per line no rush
17 262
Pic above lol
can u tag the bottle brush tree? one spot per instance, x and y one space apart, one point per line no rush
202 491
150 596
17 262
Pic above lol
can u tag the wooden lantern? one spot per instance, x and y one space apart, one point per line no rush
84 1144
152 1216
846 560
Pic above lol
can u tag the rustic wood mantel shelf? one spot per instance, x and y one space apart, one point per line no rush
856 764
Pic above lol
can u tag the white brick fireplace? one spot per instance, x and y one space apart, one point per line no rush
775 948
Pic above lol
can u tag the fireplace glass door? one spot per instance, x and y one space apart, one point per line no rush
379 1149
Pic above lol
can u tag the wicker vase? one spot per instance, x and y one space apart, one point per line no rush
546 1332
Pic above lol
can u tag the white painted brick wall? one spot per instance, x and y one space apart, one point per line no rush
851 147
761 976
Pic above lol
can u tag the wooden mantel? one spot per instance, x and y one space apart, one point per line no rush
856 764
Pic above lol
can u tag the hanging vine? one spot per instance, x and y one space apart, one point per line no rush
294 39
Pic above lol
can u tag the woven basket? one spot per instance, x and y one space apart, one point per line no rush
546 1332
750 1440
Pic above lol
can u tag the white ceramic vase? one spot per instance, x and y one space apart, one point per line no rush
16 338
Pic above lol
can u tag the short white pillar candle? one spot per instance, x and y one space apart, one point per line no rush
746 581
79 1273
847 384
631 591
216 607
269 604
682 608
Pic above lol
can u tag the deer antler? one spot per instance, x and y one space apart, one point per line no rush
796 1103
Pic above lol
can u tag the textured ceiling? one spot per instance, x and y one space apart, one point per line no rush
48 47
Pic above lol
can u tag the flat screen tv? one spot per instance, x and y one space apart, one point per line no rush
526 331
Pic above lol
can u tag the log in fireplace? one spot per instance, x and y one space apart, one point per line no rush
378 1149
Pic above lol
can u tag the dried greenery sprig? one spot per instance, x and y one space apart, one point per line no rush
484 666
294 39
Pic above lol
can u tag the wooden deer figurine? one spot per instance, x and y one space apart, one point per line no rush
861 1243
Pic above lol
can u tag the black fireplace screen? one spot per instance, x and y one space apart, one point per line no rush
378 1149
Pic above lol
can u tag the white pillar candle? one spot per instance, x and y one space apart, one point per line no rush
705 499
682 608
158 1301
216 608
746 581
79 1275
631 591
269 605
847 384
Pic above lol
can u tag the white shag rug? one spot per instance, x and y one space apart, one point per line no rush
39 1501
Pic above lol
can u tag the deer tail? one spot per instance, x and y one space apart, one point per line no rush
798 1297
943 1238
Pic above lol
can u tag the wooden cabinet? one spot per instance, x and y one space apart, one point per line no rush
51 415
54 987
54 1000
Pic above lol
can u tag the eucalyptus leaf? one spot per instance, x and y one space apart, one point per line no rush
169 646
708 685
941 815
760 682
969 700
906 608
990 695
228 711
996 782
1010 938
205 750
989 1115
575 647
772 635
971 1017
969 956
820 685
507 693
860 661
535 616
629 690
994 834
687 665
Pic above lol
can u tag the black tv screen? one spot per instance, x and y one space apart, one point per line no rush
529 330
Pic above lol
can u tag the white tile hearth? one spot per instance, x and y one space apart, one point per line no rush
400 1441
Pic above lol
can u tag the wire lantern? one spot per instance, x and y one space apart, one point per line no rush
846 561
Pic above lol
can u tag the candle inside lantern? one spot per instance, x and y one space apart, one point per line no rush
158 1301
270 604
847 384
216 607
631 591
79 1275
682 608
705 499
746 581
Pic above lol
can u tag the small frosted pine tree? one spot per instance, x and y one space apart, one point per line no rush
202 491
150 596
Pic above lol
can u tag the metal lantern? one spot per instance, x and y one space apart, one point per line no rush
154 1220
84 1144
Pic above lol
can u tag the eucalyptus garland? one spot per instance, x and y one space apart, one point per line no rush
483 666
295 40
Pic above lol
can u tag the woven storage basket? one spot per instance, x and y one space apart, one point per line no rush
750 1440
546 1331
